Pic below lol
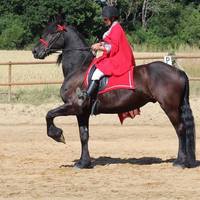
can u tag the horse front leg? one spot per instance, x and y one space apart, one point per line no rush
53 131
85 160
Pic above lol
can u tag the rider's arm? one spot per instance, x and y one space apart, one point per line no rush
107 46
102 46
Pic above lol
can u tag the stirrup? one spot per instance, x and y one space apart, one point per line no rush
81 94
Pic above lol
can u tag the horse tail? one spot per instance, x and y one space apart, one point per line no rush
188 120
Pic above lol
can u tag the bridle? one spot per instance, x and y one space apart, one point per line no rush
59 31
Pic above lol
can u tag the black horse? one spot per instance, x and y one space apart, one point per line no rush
154 82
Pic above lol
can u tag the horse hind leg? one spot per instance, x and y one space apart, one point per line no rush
186 148
174 117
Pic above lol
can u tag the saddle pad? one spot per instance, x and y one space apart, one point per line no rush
107 84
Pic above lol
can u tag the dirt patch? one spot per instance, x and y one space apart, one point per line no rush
133 161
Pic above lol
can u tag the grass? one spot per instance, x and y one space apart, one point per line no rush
50 94
44 94
180 49
35 96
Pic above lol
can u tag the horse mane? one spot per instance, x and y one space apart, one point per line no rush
59 58
80 35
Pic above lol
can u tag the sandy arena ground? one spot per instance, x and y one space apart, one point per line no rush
133 161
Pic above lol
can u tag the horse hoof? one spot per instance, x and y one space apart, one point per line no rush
61 139
179 164
183 165
81 165
56 134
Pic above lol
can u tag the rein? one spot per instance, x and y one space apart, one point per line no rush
46 44
73 49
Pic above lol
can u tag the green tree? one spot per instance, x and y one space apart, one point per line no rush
12 31
159 23
189 28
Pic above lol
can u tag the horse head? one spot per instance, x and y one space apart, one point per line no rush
52 39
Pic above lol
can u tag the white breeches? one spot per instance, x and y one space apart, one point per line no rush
97 75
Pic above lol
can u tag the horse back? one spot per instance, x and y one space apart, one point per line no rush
159 80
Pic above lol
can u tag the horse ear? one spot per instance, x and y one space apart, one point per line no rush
51 19
61 17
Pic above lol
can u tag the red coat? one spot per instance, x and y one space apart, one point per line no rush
120 59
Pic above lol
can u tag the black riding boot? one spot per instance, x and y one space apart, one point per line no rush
90 93
92 88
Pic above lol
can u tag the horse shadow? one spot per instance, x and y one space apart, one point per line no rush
103 161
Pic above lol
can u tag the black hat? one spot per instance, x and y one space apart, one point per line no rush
110 11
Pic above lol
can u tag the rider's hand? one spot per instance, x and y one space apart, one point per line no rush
97 46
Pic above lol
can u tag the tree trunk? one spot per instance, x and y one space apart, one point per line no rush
144 14
112 2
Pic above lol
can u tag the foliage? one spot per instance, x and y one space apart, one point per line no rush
189 30
12 31
160 24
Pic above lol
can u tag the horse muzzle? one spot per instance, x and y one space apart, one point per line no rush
39 54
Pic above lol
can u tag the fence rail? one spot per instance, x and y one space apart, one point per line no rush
11 64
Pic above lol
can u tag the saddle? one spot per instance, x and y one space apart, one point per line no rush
108 83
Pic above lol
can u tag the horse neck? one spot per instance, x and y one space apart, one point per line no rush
72 59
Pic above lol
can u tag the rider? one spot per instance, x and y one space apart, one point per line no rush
117 56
